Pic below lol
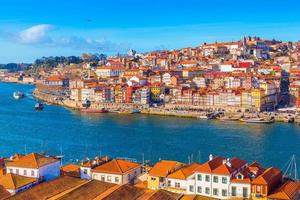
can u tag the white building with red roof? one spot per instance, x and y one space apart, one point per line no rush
213 178
34 166
117 171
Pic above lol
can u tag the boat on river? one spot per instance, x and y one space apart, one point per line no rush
39 106
90 110
258 121
18 95
129 111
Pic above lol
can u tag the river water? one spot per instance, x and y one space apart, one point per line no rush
22 129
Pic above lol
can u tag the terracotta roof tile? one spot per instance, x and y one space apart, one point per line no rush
117 167
184 172
287 191
164 167
267 176
209 166
33 160
49 189
14 181
4 194
88 191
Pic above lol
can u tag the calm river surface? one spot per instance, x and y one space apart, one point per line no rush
88 135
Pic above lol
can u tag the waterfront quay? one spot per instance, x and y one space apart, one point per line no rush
228 114
37 176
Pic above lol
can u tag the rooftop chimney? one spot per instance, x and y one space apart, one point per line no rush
211 157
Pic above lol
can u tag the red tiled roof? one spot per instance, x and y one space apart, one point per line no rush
287 191
267 176
116 167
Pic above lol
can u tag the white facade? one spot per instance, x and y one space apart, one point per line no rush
240 190
200 82
175 185
88 94
166 78
107 72
85 173
47 172
226 68
120 179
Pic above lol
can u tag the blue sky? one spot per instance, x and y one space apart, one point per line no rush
30 29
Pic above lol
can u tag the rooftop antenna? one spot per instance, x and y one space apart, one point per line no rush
61 156
25 149
199 157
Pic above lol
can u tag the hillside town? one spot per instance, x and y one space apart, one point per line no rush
37 176
250 75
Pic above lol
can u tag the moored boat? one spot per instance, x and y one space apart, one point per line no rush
129 111
39 106
135 111
89 110
18 95
258 120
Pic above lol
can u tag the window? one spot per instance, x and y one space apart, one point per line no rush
17 171
191 188
153 179
215 179
224 180
169 183
95 176
117 179
258 189
215 192
109 178
233 191
85 171
25 172
32 173
102 178
199 189
245 192
177 185
224 193
207 190
207 178
10 171
199 177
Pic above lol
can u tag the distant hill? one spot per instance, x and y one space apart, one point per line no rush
13 67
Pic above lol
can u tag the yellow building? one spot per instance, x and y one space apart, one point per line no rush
258 99
155 91
159 172
118 92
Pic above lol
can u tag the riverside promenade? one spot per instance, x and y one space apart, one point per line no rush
168 110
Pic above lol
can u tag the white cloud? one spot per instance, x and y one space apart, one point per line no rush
35 35
42 36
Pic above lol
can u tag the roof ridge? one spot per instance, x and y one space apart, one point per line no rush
117 161
35 159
